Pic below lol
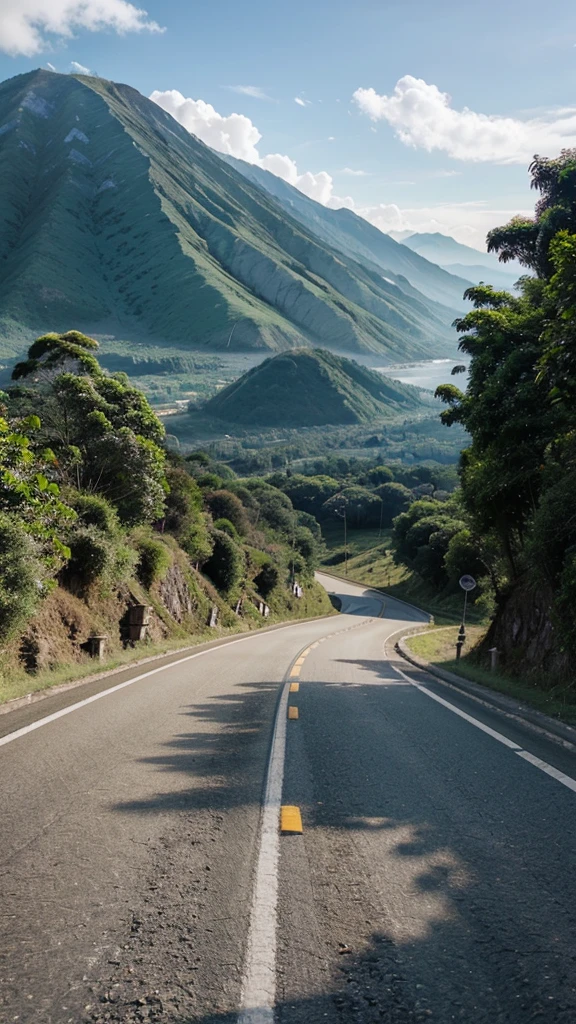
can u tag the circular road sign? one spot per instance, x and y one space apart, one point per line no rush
467 582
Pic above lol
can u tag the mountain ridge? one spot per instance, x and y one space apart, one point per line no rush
113 216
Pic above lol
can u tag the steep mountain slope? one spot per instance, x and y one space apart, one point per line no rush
495 276
310 387
113 217
360 239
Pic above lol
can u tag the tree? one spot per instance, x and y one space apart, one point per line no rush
102 430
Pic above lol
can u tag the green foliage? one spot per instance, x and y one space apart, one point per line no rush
21 577
267 579
225 526
94 510
226 566
102 431
395 498
97 557
380 475
184 514
154 560
226 505
311 386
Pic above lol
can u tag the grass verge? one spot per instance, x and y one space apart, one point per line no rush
438 648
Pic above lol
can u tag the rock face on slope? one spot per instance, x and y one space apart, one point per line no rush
114 218
311 387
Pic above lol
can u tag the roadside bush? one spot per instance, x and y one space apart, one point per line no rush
184 515
227 527
225 505
94 510
20 577
267 579
226 565
155 558
97 557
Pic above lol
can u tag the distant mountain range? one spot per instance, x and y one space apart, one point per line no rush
114 219
354 235
463 260
312 387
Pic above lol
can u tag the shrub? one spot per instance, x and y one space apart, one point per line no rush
226 565
94 510
20 577
184 515
225 505
97 557
267 579
227 527
155 558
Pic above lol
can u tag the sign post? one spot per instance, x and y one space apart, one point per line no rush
467 583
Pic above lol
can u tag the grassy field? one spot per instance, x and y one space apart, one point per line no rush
438 647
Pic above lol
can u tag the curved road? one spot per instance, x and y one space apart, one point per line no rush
433 880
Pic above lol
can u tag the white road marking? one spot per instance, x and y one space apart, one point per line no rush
555 773
462 714
545 767
11 736
259 983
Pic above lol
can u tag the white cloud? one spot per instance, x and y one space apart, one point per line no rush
250 90
301 102
26 26
466 222
78 69
354 173
50 66
236 135
424 118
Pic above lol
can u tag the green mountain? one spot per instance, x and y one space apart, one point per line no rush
345 230
310 387
115 220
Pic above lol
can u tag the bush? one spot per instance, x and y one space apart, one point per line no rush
226 565
94 510
227 527
20 577
267 579
155 558
184 515
225 505
97 557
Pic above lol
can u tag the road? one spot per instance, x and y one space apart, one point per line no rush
434 879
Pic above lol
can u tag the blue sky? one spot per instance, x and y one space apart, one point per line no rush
370 78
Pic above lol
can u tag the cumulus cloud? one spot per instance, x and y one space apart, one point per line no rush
424 118
78 69
250 90
467 222
236 135
27 26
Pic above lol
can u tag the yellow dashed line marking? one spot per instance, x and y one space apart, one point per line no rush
299 663
296 670
290 820
294 687
292 712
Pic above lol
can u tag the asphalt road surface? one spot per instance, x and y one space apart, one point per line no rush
434 879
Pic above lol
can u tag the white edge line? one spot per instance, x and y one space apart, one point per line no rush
259 981
462 714
545 767
11 736
549 769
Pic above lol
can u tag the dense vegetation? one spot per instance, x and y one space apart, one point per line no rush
308 387
92 502
518 472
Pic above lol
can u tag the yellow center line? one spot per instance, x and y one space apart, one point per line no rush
296 670
292 712
290 819
294 687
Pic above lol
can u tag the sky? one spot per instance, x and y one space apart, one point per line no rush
418 115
